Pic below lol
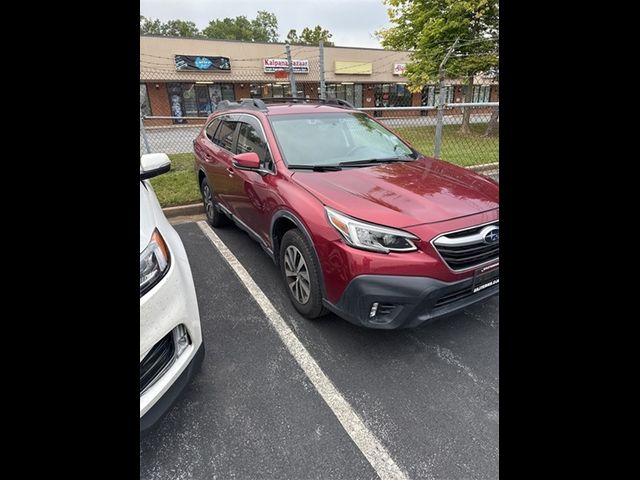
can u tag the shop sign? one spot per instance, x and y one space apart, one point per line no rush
353 68
201 63
399 68
271 65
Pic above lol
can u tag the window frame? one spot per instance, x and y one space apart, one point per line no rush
206 127
226 118
266 140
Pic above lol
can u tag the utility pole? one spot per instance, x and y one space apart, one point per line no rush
292 77
441 100
323 94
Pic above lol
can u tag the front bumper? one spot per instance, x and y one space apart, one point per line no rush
170 303
164 403
405 302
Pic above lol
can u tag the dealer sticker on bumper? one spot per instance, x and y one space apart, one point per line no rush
486 285
486 277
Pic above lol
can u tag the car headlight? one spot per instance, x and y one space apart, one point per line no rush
154 262
371 237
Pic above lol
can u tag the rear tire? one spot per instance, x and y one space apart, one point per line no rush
215 218
301 274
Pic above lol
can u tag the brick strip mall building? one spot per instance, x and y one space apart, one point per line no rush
184 77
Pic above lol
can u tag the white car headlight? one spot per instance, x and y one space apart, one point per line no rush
154 262
371 237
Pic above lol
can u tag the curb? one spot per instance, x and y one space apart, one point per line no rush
193 209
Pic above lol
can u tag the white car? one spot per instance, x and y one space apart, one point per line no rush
171 348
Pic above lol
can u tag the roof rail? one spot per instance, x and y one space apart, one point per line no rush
261 103
329 101
339 102
252 103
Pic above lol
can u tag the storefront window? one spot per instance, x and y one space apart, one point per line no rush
481 93
221 91
430 95
350 92
176 102
191 100
392 95
203 100
145 108
270 90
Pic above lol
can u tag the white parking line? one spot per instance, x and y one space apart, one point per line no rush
366 441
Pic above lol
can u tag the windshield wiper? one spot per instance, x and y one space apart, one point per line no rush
318 168
377 160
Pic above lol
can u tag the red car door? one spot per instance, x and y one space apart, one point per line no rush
217 148
254 199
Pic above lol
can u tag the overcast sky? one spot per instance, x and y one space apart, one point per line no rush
352 22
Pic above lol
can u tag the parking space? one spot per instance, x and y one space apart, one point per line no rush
428 395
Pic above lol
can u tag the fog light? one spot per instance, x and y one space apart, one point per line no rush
374 309
182 339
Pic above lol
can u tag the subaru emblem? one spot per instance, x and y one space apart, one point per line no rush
492 235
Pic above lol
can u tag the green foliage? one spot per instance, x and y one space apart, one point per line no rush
149 26
428 28
310 37
263 28
172 28
180 28
292 36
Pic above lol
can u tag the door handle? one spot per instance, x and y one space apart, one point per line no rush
230 170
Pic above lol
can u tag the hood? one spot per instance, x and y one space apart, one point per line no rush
403 194
147 218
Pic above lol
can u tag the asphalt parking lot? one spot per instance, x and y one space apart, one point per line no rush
428 395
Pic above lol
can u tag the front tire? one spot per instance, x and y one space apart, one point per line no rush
301 274
215 218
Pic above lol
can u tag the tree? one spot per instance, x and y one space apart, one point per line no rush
172 28
428 28
292 37
149 26
263 28
238 28
180 28
310 37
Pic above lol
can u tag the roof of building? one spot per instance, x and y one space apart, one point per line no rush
342 64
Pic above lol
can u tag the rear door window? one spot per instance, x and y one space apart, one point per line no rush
224 134
211 128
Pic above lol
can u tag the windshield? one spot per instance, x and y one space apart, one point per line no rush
336 138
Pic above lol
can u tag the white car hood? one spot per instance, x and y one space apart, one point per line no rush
147 215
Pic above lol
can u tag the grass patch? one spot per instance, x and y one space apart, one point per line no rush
464 150
179 186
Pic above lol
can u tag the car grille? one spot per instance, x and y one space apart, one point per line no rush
467 248
156 361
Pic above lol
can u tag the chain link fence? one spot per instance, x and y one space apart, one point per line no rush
448 120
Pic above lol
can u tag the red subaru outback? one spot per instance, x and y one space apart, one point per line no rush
359 222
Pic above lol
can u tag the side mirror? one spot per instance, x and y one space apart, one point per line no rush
154 164
246 161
